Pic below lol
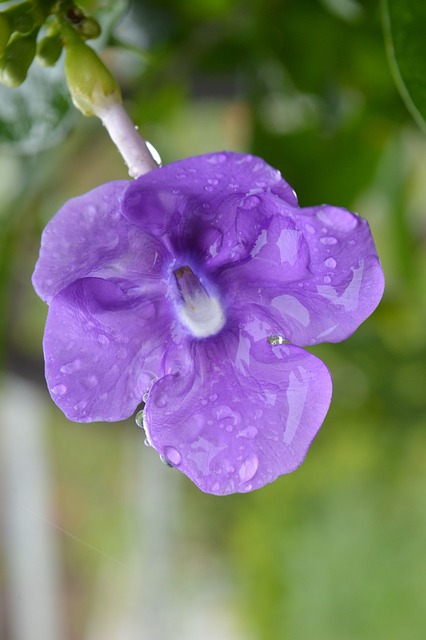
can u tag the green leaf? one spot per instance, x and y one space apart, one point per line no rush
405 29
37 114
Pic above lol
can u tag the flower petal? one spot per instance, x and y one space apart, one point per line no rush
103 347
90 237
210 208
314 271
245 413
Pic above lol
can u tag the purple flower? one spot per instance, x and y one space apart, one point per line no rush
169 288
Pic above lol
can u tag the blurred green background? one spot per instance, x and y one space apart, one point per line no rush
98 539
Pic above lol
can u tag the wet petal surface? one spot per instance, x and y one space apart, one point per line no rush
103 348
245 413
315 274
90 237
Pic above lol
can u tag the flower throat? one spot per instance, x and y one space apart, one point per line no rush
201 313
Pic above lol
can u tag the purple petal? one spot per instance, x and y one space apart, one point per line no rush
210 208
314 272
90 237
245 413
103 347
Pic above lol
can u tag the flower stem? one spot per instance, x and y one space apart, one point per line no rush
126 138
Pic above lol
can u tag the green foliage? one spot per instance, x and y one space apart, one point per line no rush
35 115
405 28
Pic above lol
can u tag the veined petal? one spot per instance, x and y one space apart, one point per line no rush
211 208
103 348
316 274
245 413
89 237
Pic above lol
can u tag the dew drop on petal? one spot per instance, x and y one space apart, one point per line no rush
103 339
216 486
71 367
249 432
251 202
59 389
330 263
90 381
310 229
217 158
328 240
208 187
165 461
172 455
249 467
327 279
139 418
147 442
213 181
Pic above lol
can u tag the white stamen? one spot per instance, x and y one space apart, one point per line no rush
200 313
203 317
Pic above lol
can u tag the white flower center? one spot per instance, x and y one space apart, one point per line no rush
200 313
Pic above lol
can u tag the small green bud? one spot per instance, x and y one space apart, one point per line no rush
17 59
5 32
89 29
93 88
49 50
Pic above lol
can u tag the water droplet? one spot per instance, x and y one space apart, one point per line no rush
71 367
251 202
330 263
165 461
327 279
181 175
249 467
229 428
328 240
59 389
90 381
208 187
80 406
217 158
122 353
139 418
103 339
172 455
147 442
226 413
216 486
310 229
204 402
206 205
248 487
213 397
145 396
249 432
213 181
161 400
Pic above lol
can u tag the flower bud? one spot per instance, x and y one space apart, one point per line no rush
49 50
89 29
17 59
93 88
5 32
